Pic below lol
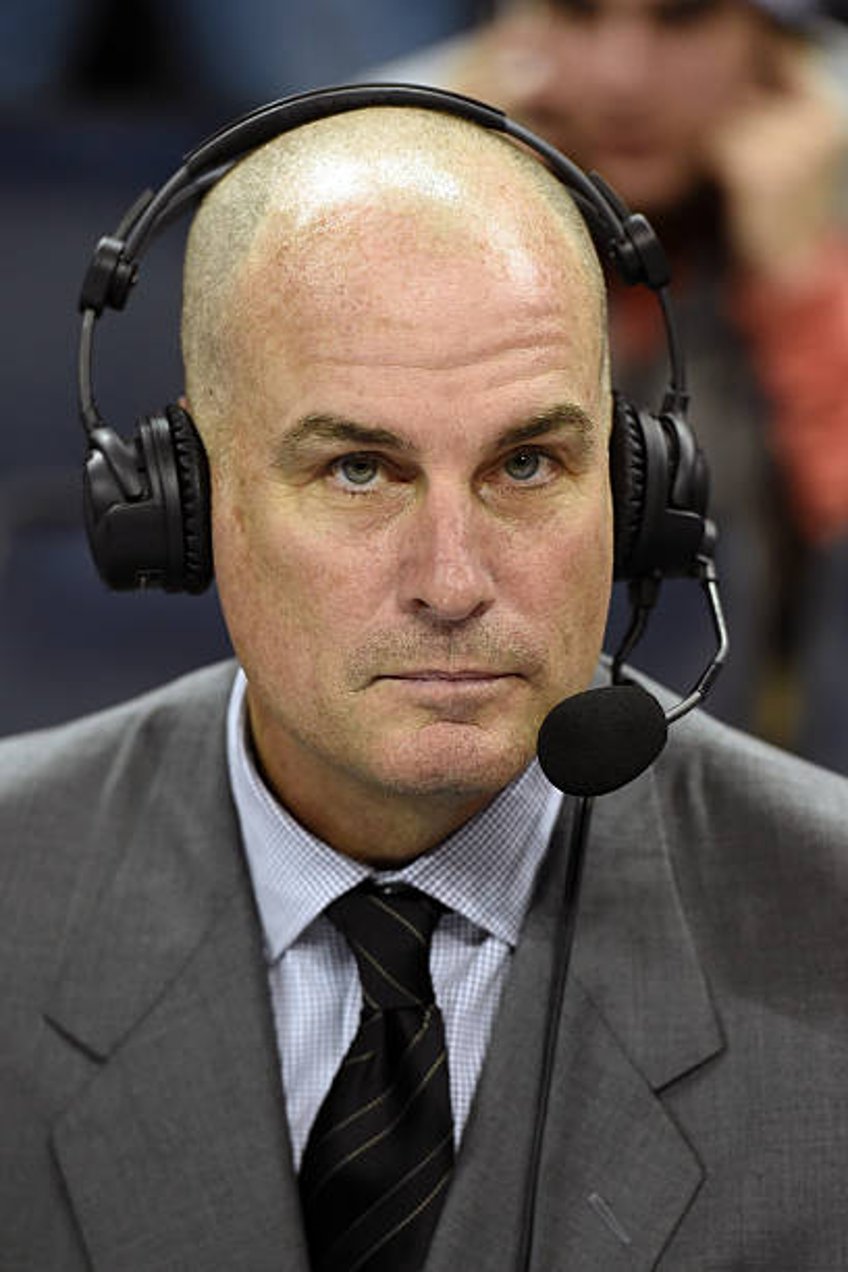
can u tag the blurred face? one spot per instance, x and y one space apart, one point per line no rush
635 88
412 531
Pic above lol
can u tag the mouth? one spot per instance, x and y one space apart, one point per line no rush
430 675
434 689
465 697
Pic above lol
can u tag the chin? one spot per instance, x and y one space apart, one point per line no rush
454 761
651 188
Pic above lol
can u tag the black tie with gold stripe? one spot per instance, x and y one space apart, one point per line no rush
380 1153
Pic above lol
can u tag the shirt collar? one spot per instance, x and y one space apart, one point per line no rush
484 871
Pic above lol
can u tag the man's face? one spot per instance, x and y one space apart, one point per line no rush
412 532
636 88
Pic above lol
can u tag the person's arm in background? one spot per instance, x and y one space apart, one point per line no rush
779 164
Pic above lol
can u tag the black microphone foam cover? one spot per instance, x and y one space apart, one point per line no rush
596 741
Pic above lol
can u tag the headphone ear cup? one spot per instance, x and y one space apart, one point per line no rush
629 481
147 503
659 485
192 477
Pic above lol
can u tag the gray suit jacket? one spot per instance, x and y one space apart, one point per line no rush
699 1110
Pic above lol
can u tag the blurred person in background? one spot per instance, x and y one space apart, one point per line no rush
725 122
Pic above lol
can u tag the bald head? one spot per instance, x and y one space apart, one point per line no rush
303 217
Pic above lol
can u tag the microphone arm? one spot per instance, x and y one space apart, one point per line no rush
593 742
644 593
707 577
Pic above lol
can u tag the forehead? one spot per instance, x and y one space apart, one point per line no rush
373 286
444 371
679 11
405 302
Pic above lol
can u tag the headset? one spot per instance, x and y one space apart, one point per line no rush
147 500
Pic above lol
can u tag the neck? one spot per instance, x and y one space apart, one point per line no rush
376 826
385 835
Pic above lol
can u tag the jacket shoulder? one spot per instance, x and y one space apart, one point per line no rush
138 789
732 781
758 841
65 765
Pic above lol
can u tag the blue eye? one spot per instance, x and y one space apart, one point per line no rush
523 465
357 470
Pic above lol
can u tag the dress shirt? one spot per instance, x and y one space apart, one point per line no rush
483 874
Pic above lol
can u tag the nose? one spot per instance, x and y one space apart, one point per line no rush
625 58
445 574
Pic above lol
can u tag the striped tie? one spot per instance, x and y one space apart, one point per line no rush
380 1153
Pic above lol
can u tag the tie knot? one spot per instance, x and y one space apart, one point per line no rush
389 932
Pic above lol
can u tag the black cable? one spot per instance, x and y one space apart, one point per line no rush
677 395
643 593
556 997
89 414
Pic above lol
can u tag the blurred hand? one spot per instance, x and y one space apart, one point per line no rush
777 158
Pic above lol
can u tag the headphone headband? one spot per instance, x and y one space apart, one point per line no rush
624 236
659 479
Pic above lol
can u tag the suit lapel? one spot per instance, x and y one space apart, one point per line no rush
616 1175
175 1150
174 1147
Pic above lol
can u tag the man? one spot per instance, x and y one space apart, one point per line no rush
726 121
395 353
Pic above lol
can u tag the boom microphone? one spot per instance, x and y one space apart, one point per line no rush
594 742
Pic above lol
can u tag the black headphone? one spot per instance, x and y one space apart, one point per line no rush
147 501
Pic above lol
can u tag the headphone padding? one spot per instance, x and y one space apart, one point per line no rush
629 480
192 469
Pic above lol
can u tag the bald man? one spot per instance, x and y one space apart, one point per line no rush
423 408
396 356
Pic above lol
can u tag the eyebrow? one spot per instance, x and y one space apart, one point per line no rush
659 7
326 427
564 417
323 427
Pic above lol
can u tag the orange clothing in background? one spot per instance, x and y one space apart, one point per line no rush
798 339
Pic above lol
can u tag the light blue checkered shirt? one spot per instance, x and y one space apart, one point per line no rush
483 874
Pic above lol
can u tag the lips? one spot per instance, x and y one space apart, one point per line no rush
430 674
494 655
448 675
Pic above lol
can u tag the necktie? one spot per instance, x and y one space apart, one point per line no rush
379 1156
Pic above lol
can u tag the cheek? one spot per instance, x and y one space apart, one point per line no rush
569 586
589 570
575 82
290 594
708 80
706 72
257 574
